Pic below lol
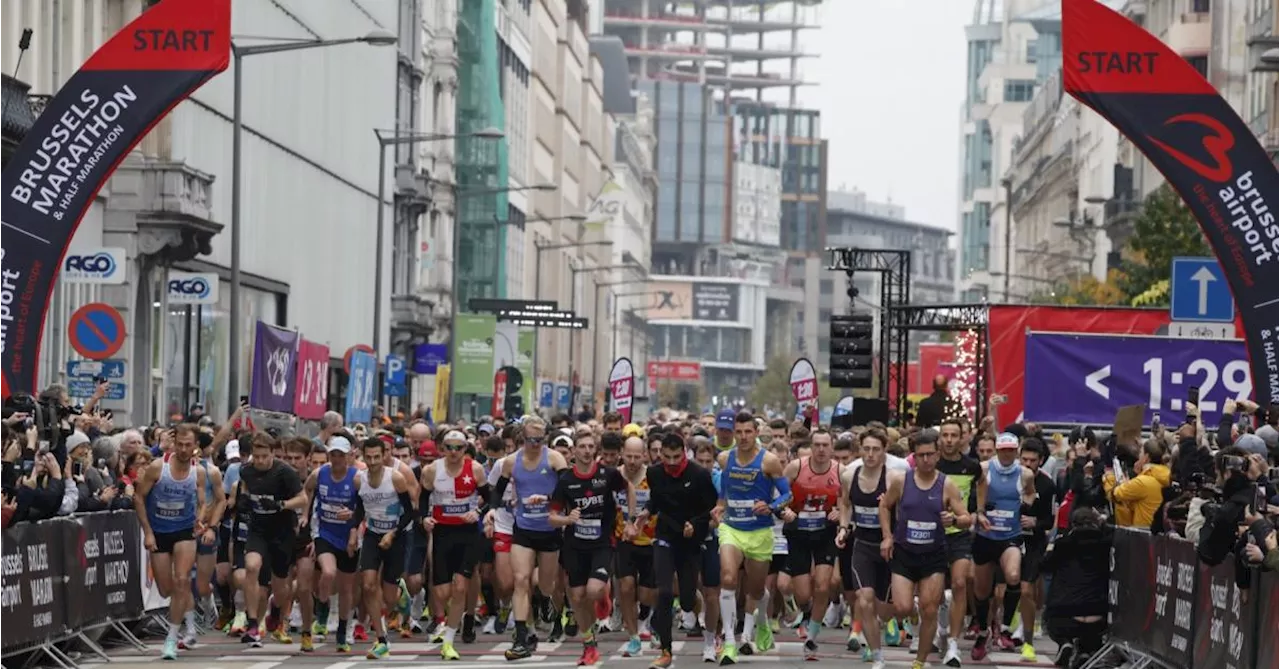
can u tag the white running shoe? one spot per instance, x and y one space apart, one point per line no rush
708 650
952 658
489 625
832 616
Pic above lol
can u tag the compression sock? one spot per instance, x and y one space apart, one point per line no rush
522 631
645 611
982 614
224 596
728 613
342 630
1012 597
322 612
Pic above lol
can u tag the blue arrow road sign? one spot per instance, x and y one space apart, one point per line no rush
1198 291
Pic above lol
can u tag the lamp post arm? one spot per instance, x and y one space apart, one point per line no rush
259 49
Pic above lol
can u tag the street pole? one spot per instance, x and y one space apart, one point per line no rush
377 263
1008 233
233 329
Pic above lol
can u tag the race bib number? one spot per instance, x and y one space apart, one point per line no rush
921 533
811 520
170 509
329 512
535 509
741 509
1001 520
383 525
780 545
866 516
587 529
455 509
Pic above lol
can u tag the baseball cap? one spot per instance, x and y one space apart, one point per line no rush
486 429
562 438
632 430
454 436
724 419
232 451
1006 440
428 450
338 444
1252 443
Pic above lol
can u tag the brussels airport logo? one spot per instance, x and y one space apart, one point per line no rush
193 288
1217 146
94 266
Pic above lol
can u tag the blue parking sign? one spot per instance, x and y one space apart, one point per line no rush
545 391
562 396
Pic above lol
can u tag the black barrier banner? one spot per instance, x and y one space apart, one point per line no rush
102 556
1265 595
89 126
1224 624
34 594
1209 156
1133 584
1169 636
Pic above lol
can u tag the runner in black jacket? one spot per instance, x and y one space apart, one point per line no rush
682 495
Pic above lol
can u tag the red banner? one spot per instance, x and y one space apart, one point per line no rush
677 371
312 384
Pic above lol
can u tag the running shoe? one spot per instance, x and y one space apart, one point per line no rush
745 647
414 626
224 619
307 646
979 652
358 634
319 629
663 661
811 651
854 644
343 647
272 622
253 637
379 651
952 657
518 651
406 631
433 627
796 620
878 664
189 640
832 616
1029 653
764 637
393 620
468 628
708 651
644 632
489 626
1065 653
557 632
569 623
447 652
590 656
281 635
917 664
892 633
405 602
1004 641
728 654
238 624
972 631
633 648
170 651
774 625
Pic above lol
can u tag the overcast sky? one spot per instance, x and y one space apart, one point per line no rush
890 84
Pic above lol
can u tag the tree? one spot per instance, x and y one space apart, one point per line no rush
681 396
1162 231
1088 290
773 388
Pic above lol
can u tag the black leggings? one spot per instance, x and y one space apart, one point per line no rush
682 559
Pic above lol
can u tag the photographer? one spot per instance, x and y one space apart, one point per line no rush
1084 478
95 490
1075 612
1237 474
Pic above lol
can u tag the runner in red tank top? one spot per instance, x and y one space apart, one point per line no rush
815 488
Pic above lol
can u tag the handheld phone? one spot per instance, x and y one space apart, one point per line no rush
244 400
1260 499
97 380
77 469
1193 397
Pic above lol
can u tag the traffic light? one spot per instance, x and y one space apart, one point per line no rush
851 356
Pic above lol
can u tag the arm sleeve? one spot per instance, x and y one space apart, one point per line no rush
483 494
424 502
408 514
1044 505
495 499
357 516
783 497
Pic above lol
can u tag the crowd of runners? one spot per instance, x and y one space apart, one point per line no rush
727 527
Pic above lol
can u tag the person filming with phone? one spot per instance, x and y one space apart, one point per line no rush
1243 498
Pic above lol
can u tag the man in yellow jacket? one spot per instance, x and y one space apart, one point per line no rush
1136 501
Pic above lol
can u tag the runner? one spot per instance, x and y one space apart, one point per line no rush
725 429
924 502
383 500
815 489
967 475
499 535
268 495
207 551
746 505
333 487
777 584
864 572
635 556
298 455
706 452
535 470
452 489
1037 519
231 535
588 492
682 496
170 502
999 542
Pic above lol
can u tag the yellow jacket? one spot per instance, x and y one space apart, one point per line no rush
1137 500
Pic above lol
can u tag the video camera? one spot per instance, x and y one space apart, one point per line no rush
46 414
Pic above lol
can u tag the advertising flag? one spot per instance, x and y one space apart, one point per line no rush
804 388
607 207
528 341
272 383
89 126
1208 154
622 387
362 387
312 380
473 356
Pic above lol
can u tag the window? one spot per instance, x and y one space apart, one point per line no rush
1019 90
1201 63
1031 51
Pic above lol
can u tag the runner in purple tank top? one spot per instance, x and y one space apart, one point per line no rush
925 504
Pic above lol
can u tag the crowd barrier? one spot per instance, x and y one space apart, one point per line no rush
65 576
1169 606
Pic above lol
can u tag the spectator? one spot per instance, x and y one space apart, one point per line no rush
1076 608
42 491
1236 475
1137 500
937 406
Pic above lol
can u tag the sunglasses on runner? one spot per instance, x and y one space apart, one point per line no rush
454 447
533 440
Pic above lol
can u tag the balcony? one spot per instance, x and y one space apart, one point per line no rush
1190 34
671 21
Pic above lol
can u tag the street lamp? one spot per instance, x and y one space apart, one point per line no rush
539 249
595 349
394 138
1007 182
239 53
617 298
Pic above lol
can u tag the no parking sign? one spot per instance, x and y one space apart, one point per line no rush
96 331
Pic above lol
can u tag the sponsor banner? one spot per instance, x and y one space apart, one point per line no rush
1131 591
606 209
1093 374
527 341
101 265
473 356
272 380
1170 633
804 387
715 302
669 301
622 387
98 115
675 371
1266 596
101 560
311 383
362 387
193 288
1224 633
1207 153
1007 328
428 357
34 600
440 403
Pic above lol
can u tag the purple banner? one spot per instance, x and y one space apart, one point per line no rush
1085 378
275 353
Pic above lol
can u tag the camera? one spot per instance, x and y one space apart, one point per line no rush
46 413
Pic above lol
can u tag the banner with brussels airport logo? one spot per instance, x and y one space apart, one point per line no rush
90 265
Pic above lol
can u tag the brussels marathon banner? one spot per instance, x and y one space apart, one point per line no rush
103 110
1158 100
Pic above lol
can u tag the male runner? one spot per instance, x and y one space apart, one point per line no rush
967 475
231 537
705 453
611 448
500 541
534 469
682 495
745 511
169 498
297 455
584 504
383 501
1008 486
452 490
864 572
268 495
815 490
924 502
1036 521
417 541
207 551
635 555
725 430
333 487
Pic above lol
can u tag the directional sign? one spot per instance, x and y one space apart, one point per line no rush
83 386
1084 378
1199 330
1198 291
111 369
96 331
